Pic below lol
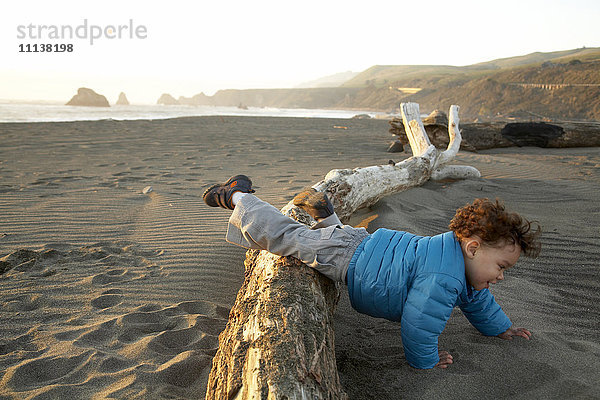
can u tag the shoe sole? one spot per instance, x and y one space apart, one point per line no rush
229 182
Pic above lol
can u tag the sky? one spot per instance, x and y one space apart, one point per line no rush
187 47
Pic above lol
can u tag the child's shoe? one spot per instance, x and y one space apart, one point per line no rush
315 203
220 195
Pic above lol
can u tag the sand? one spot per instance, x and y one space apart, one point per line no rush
107 292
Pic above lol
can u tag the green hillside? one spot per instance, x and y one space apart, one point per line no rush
381 75
584 54
551 85
402 75
555 91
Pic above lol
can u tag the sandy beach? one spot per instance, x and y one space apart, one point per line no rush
107 292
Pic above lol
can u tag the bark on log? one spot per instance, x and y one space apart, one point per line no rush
279 341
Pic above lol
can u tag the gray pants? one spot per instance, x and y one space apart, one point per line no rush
328 247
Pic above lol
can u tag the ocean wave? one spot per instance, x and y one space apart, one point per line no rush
44 112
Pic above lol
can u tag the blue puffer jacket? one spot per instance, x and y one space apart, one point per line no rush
418 281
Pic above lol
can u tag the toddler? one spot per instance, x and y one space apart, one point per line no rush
415 280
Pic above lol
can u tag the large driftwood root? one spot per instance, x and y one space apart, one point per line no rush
279 341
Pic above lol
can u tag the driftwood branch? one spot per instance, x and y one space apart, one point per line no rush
279 341
352 189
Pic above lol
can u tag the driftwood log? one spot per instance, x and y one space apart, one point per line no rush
279 340
489 135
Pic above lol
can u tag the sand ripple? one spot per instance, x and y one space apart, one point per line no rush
87 320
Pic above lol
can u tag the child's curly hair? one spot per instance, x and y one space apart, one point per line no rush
493 224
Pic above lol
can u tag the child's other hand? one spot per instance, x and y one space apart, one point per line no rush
510 332
445 359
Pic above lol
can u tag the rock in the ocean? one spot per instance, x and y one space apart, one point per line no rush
122 101
87 97
167 99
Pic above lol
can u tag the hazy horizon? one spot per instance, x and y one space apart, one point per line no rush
145 50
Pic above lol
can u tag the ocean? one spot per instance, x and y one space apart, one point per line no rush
49 112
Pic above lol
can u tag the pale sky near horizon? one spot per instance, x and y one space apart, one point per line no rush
203 46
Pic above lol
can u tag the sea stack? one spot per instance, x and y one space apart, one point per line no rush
122 100
167 99
87 97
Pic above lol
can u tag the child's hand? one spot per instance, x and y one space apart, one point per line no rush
510 332
445 359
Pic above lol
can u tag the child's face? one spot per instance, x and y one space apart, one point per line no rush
485 264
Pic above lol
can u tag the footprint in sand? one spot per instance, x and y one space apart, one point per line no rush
183 370
174 341
115 364
20 260
28 343
106 301
97 337
25 302
113 276
48 370
204 308
137 325
108 298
